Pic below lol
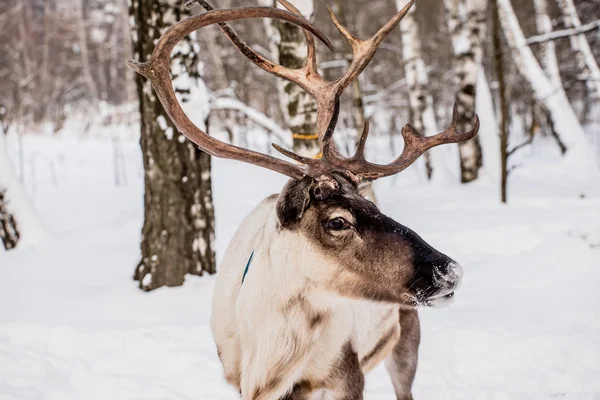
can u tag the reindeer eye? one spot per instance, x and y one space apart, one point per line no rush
337 224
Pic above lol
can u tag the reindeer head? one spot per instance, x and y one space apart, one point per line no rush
367 254
360 252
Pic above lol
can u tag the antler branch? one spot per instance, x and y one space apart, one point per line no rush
415 144
156 69
325 93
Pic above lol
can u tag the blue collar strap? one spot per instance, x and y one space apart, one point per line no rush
247 266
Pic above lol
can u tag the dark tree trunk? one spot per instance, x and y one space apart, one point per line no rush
9 233
499 64
178 231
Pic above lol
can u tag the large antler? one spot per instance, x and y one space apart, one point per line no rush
156 69
327 93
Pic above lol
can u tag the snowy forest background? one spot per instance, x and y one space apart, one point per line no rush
97 187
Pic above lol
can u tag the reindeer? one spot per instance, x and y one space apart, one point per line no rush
317 286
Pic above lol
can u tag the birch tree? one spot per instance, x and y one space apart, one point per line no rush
178 231
564 120
587 67
467 25
86 69
422 116
299 108
358 109
549 62
548 49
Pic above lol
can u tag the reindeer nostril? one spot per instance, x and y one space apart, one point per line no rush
454 274
448 277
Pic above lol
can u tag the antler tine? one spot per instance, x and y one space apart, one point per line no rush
156 69
352 40
294 156
391 24
293 75
415 144
360 149
311 52
330 153
449 135
364 50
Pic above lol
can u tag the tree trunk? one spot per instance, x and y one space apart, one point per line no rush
84 55
548 48
467 26
549 62
422 116
499 66
300 110
9 232
358 109
178 231
587 67
563 117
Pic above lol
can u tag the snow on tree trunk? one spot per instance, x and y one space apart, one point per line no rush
564 120
587 66
19 224
548 48
467 26
300 110
422 115
178 231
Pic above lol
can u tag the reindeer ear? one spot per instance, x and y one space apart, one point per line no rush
365 189
293 201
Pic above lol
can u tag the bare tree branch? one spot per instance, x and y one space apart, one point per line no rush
563 33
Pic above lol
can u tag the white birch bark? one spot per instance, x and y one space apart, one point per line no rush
467 25
548 49
300 109
565 121
420 100
586 62
287 46
272 33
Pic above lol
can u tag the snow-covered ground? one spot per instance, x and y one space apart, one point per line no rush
73 325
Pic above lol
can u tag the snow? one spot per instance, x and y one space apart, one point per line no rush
73 324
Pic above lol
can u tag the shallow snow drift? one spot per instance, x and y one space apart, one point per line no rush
73 325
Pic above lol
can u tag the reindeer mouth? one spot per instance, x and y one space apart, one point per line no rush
440 300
